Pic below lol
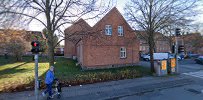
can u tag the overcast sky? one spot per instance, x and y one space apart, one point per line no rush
36 26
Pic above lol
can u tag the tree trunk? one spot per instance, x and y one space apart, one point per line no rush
151 51
171 45
50 48
50 34
18 58
151 37
51 53
155 49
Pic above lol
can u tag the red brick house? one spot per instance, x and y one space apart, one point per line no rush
192 42
161 42
111 42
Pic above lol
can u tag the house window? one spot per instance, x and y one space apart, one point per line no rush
143 48
140 48
108 30
120 30
122 52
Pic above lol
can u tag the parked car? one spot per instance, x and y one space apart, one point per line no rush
192 55
199 60
146 57
157 56
142 55
173 56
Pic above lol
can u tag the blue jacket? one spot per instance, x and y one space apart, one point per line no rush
49 77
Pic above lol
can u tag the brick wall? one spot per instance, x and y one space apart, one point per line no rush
161 43
100 50
69 49
73 34
97 50
162 46
109 55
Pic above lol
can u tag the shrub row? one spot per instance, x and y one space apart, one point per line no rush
83 78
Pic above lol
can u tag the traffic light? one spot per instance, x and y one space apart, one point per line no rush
177 31
173 49
180 48
35 47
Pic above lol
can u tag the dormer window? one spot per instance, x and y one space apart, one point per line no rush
108 30
120 30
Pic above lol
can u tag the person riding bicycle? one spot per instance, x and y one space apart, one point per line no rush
49 79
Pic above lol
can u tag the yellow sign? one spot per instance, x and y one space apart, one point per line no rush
163 65
173 63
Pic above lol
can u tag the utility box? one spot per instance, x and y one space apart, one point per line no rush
161 67
173 65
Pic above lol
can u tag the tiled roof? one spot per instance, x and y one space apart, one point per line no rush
76 31
79 26
112 13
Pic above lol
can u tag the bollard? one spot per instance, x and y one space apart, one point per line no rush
39 83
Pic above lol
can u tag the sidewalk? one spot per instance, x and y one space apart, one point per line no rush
108 90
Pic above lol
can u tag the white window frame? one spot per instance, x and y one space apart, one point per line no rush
108 29
120 31
144 48
123 53
140 48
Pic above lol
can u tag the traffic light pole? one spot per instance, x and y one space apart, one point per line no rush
176 54
36 76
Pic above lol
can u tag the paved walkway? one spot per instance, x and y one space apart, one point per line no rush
198 74
108 90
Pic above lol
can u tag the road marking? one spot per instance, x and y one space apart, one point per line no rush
198 74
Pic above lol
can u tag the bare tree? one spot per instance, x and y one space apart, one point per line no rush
154 15
54 14
13 43
193 41
16 48
43 44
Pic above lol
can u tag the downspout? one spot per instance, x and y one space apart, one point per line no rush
132 55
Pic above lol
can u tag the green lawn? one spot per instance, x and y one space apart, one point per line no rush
18 76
